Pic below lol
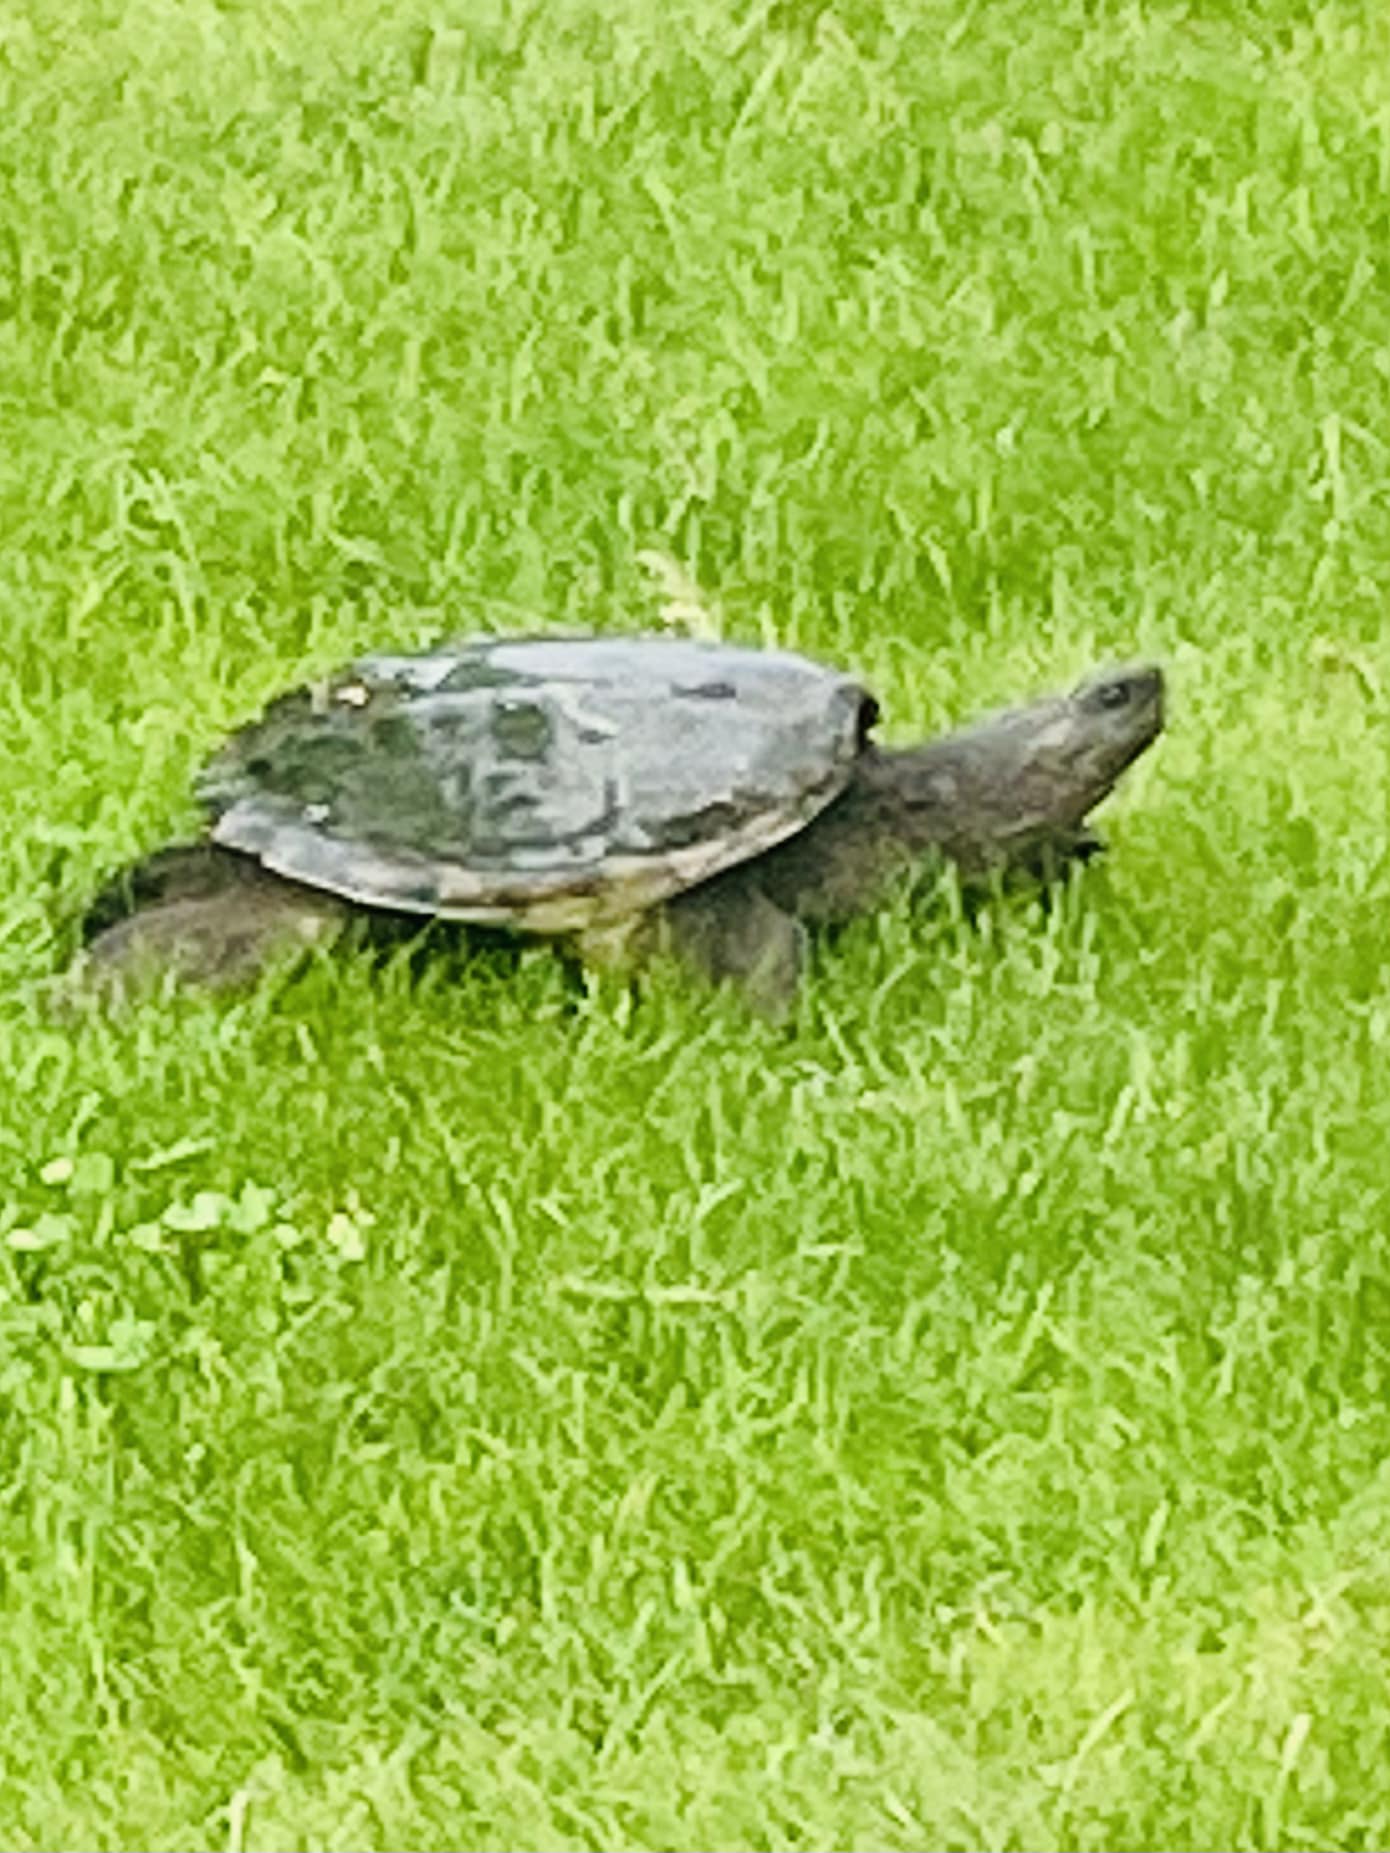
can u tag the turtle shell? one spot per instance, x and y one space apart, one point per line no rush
550 784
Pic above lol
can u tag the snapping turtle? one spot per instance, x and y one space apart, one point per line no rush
722 799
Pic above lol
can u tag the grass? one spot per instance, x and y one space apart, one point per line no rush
467 1413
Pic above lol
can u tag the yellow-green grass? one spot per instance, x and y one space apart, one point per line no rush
451 1409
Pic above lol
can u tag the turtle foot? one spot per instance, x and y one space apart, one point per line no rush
729 932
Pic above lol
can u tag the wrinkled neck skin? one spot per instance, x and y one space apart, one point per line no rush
1009 794
984 797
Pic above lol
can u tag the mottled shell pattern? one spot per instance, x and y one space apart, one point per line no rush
551 784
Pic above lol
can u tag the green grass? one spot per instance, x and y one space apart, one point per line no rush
472 1413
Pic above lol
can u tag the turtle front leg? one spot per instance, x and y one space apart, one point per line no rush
729 931
217 938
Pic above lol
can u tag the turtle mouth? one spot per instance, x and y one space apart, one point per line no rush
1149 694
1150 704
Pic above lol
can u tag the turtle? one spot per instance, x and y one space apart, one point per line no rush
624 794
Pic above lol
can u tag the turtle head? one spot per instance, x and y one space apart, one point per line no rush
1109 719
994 793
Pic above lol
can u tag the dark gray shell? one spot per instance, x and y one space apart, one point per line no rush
550 784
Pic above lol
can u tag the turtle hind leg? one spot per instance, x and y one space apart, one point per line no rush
216 937
730 932
183 871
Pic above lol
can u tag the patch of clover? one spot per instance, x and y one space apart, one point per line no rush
81 1188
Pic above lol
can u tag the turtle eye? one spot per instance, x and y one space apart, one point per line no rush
1115 695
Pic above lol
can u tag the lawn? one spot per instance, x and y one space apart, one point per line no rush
453 1408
